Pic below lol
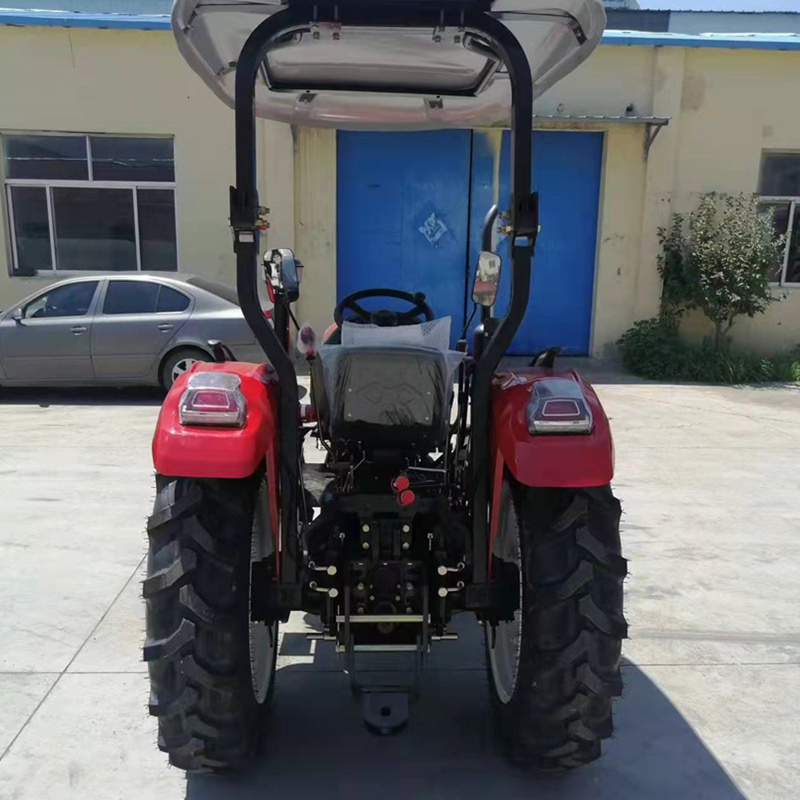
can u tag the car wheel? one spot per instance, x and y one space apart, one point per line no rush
178 362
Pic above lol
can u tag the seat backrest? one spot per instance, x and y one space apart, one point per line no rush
388 397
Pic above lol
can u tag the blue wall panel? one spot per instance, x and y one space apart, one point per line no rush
566 173
403 202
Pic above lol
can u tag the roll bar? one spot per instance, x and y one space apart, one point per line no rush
470 15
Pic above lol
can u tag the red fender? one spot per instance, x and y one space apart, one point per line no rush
206 452
559 460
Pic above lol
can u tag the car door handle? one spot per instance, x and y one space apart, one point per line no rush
165 326
78 329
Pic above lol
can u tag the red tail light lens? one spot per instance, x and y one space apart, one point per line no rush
557 405
213 398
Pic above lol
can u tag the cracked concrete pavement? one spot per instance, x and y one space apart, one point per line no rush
711 526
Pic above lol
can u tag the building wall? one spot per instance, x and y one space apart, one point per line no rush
610 81
724 106
315 210
734 104
130 81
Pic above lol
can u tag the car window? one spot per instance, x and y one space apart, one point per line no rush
170 300
218 289
131 297
72 300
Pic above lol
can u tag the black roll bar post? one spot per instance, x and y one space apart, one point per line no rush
244 212
523 224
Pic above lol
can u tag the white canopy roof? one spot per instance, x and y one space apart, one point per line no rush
450 80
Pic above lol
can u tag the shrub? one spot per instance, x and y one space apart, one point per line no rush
720 258
653 349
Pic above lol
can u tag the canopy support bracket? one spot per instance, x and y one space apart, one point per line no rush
651 131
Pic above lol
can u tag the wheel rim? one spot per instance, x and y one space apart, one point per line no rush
263 638
506 639
181 367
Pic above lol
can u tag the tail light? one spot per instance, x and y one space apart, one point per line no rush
557 405
213 398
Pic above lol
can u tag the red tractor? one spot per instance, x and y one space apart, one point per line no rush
450 484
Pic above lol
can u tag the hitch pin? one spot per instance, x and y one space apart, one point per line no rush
443 570
332 593
444 591
331 570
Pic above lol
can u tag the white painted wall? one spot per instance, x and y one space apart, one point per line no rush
135 82
725 107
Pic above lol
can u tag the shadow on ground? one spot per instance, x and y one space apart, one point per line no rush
316 746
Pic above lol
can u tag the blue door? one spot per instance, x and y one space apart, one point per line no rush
566 173
402 212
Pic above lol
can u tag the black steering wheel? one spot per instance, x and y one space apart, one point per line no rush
383 318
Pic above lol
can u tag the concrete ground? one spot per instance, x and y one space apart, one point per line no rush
708 480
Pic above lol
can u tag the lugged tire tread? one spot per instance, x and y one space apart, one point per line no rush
569 673
207 720
168 509
175 572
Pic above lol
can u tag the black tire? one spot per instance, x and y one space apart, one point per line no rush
174 358
553 706
199 637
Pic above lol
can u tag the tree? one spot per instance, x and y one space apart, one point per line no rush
720 258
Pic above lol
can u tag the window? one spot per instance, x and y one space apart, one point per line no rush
171 301
143 297
90 203
72 300
779 187
131 297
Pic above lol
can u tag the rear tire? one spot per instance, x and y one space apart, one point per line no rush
211 669
554 670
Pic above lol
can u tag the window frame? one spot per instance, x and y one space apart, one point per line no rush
190 299
126 276
90 312
794 207
50 184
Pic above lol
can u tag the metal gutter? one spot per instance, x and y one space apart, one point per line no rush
601 118
727 41
157 22
77 19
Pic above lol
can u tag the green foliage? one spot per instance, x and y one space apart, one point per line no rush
653 349
720 258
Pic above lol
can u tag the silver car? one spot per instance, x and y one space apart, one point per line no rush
143 329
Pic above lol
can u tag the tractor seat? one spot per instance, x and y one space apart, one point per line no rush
384 397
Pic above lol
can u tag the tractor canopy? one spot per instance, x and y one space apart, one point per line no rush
343 72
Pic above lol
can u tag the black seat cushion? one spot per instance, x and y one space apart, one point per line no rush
389 397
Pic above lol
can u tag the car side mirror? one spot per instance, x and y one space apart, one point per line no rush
487 278
284 272
17 315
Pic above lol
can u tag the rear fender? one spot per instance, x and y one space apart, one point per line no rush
206 452
557 460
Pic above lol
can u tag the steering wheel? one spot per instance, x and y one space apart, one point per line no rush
383 318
